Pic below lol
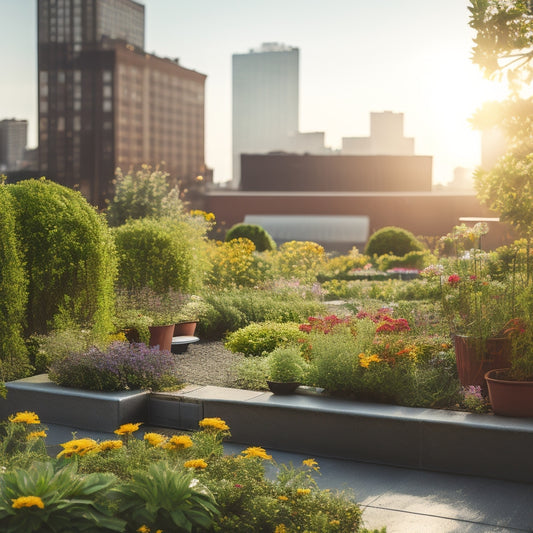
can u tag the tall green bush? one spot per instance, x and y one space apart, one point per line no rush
258 235
394 241
69 257
154 253
13 295
140 194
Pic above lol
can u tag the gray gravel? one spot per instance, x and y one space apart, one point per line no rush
208 363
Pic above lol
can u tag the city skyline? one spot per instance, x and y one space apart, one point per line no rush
355 57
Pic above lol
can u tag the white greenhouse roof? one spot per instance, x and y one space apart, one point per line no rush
316 228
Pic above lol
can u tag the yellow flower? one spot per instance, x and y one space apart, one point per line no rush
78 447
283 498
280 529
36 435
144 529
364 361
195 463
214 423
155 439
27 501
256 451
127 429
311 463
335 523
303 491
178 442
27 417
110 445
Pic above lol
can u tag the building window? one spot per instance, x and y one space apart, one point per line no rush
107 106
107 76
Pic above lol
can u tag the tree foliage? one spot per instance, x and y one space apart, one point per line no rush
504 46
392 240
142 193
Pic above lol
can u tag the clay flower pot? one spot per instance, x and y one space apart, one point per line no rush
508 397
162 336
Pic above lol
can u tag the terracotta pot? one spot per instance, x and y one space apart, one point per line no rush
507 397
282 387
161 336
185 328
475 357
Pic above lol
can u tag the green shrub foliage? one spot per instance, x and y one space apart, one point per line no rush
261 338
258 235
69 257
394 241
13 295
154 253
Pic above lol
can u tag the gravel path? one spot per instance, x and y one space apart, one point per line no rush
208 363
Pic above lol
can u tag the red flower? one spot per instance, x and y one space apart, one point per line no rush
454 279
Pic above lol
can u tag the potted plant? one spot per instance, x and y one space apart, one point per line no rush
286 369
476 305
160 309
188 316
511 389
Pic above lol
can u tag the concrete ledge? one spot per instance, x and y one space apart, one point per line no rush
427 439
104 411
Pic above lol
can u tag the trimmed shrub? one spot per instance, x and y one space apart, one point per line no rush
154 253
411 260
394 241
122 366
262 338
258 235
286 364
13 296
69 257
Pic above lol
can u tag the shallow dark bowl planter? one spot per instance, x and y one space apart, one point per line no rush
185 328
508 397
283 387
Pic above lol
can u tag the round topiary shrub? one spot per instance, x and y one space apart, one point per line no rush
258 235
394 241
259 338
13 296
154 253
68 255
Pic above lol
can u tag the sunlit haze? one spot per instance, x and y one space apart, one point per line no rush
356 56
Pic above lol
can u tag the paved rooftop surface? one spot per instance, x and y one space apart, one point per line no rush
403 500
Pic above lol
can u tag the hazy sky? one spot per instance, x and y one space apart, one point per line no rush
356 56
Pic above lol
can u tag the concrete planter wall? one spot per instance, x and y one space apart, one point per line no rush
103 411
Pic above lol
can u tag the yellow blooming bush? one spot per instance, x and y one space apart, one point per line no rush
79 447
195 463
178 442
155 439
299 260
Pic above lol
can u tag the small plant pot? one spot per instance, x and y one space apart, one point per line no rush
508 397
283 387
185 329
161 336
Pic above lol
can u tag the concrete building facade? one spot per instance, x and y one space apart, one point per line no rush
104 102
265 100
13 139
386 137
293 172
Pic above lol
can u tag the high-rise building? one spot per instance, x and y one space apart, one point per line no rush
13 138
104 102
386 137
265 101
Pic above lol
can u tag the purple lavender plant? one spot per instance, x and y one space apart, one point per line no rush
122 366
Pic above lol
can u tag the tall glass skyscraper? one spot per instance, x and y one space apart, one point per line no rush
265 101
